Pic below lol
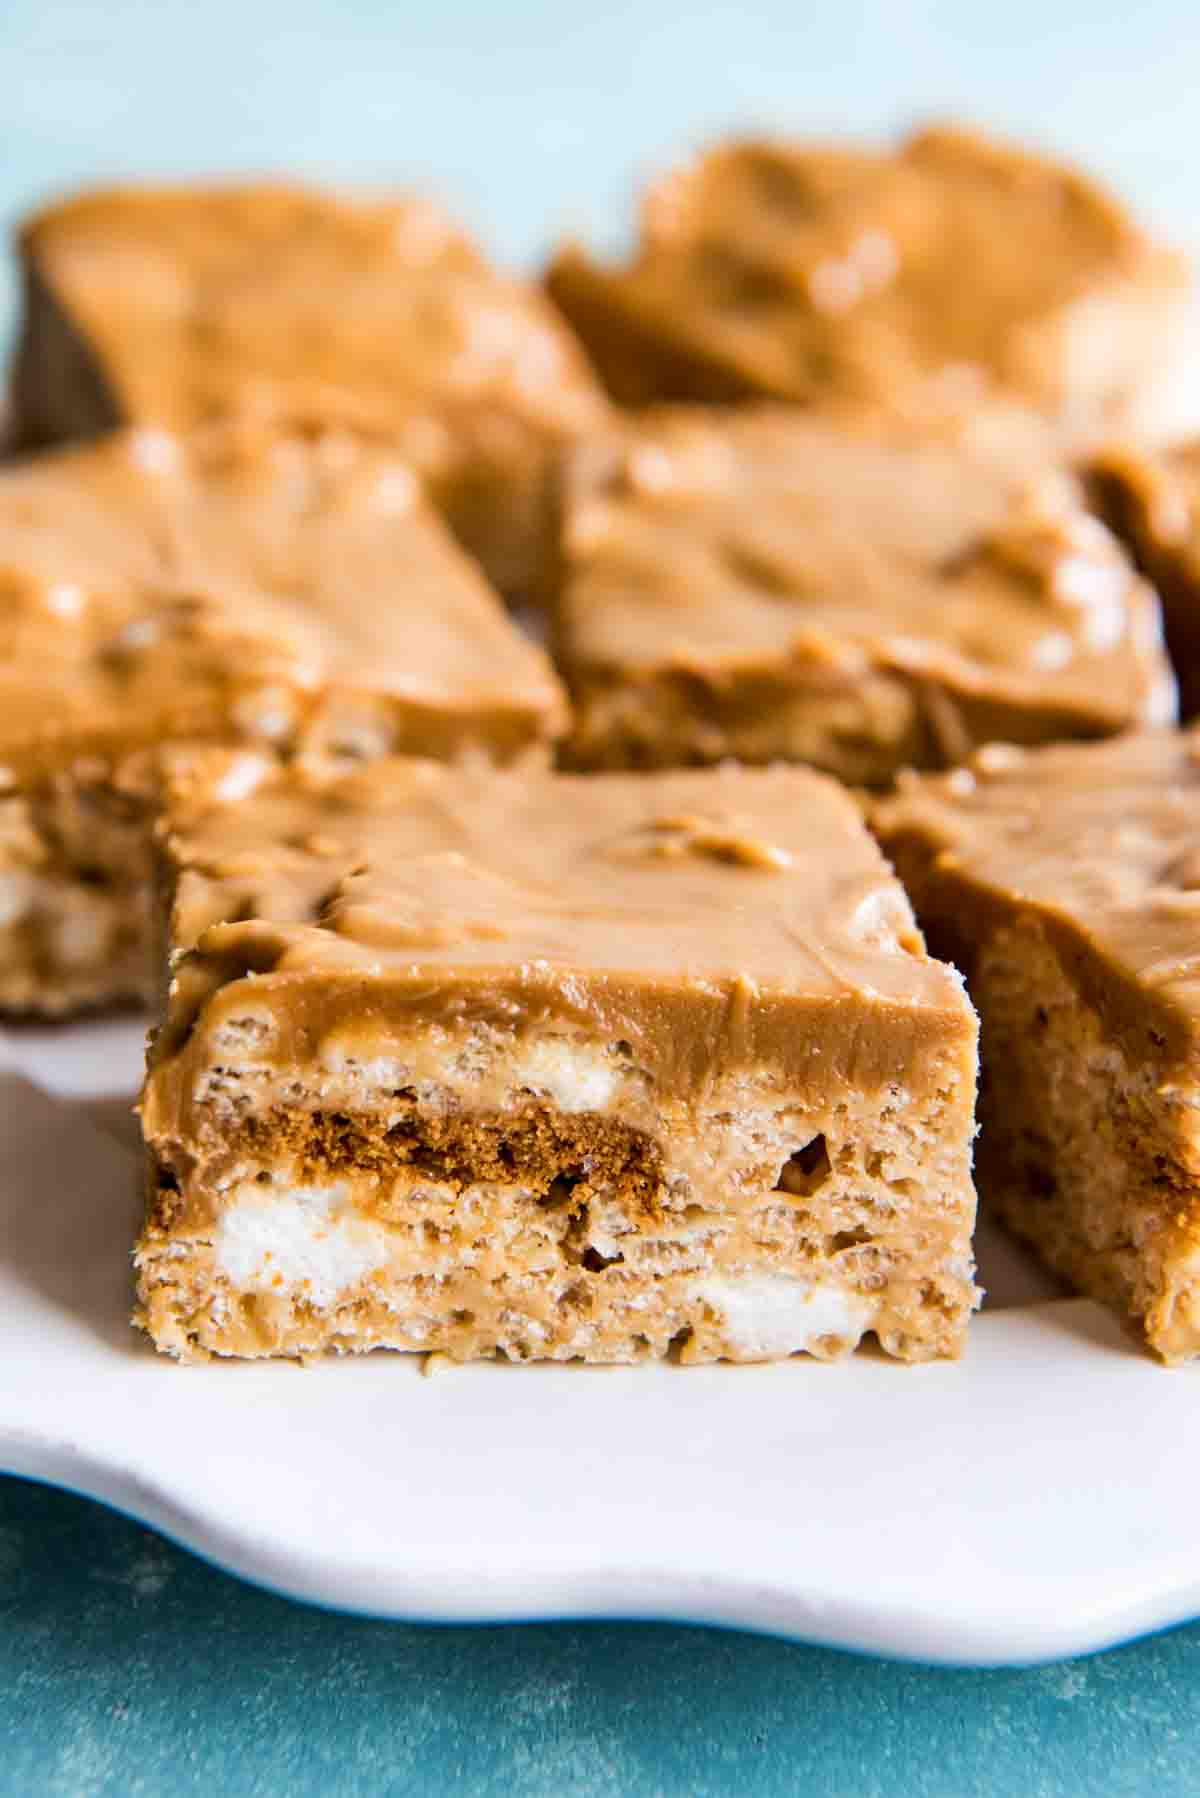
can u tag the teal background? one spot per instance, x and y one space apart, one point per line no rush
127 1667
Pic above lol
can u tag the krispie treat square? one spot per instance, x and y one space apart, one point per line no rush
945 271
550 1066
171 306
856 592
290 589
1065 883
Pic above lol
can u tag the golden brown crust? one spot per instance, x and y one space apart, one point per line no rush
171 306
859 592
808 273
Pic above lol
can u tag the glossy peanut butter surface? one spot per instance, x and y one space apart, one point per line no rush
279 297
804 272
727 542
714 920
147 584
1101 843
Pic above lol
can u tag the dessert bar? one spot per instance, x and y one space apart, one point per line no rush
548 1066
291 590
170 306
845 590
935 274
1065 882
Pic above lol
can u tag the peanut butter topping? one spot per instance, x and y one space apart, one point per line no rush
1101 843
242 581
468 896
173 306
940 270
292 300
725 547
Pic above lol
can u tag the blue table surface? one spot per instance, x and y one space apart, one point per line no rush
127 1667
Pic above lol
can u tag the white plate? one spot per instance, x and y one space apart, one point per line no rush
1036 1499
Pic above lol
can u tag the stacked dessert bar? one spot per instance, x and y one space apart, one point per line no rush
288 588
559 1002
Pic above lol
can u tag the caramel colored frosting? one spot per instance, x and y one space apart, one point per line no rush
1164 492
722 546
242 582
174 306
941 269
287 299
1100 844
712 921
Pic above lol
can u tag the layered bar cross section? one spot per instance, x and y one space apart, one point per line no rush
548 1067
